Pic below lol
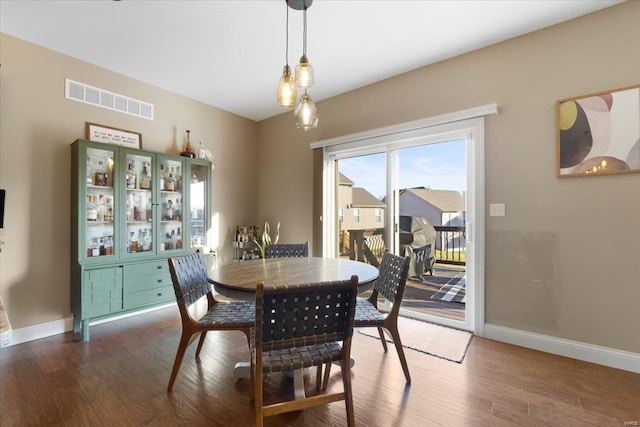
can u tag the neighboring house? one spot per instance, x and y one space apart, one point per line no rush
357 208
439 207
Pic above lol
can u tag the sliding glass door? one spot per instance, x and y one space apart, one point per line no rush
361 207
416 197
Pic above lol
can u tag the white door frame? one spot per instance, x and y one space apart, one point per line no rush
467 124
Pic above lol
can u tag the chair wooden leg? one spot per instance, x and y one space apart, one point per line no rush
383 339
396 339
348 398
203 334
327 371
185 340
257 392
319 377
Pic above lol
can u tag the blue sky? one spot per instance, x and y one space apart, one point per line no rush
440 166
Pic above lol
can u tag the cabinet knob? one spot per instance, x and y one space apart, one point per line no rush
159 294
159 267
159 280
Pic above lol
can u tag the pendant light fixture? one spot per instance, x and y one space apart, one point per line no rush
286 92
305 113
304 70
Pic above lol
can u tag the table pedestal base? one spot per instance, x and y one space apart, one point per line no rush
243 370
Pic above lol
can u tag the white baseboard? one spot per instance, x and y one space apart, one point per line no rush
44 330
613 358
618 359
41 330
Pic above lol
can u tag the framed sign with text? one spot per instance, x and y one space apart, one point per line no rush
109 135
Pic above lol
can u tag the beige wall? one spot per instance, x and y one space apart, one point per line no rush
592 224
37 127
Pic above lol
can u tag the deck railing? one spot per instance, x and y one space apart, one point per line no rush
369 245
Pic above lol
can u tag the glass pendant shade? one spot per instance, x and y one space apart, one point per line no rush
304 73
286 92
306 113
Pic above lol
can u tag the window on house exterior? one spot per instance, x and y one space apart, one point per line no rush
356 215
377 214
341 215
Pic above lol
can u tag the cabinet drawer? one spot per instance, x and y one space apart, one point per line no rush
141 283
149 297
147 269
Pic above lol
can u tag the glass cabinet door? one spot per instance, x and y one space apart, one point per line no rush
99 211
138 203
197 205
171 204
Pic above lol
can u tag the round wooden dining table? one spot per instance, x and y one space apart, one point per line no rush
238 280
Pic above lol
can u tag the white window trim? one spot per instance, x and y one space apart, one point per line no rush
418 132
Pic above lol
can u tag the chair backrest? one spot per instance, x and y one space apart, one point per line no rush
285 250
189 276
392 276
296 315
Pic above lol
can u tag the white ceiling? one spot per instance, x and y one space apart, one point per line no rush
230 54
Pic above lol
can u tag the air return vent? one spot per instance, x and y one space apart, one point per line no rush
102 98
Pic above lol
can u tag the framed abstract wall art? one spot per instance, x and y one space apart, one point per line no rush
599 133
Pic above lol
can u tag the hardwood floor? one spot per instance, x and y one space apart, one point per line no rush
119 378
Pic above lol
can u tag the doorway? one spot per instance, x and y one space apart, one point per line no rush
395 154
428 220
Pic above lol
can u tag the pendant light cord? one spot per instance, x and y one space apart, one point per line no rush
287 36
304 37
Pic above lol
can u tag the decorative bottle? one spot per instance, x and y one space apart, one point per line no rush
187 148
145 181
178 239
162 177
132 178
92 208
178 177
171 181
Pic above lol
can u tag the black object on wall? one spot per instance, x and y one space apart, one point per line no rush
2 193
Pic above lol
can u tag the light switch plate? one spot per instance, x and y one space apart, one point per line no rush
497 209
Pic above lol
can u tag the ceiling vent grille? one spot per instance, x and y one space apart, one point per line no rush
102 98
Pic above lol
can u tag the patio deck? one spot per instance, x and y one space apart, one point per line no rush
417 294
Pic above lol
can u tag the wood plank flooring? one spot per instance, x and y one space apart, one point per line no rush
119 378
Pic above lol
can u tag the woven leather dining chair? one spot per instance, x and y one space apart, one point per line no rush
286 250
189 276
299 326
390 284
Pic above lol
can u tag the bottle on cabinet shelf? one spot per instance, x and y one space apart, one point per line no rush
108 246
132 178
134 244
101 208
170 183
100 175
145 180
178 239
110 171
170 213
187 148
89 172
92 208
162 178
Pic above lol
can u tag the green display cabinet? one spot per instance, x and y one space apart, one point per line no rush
131 210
